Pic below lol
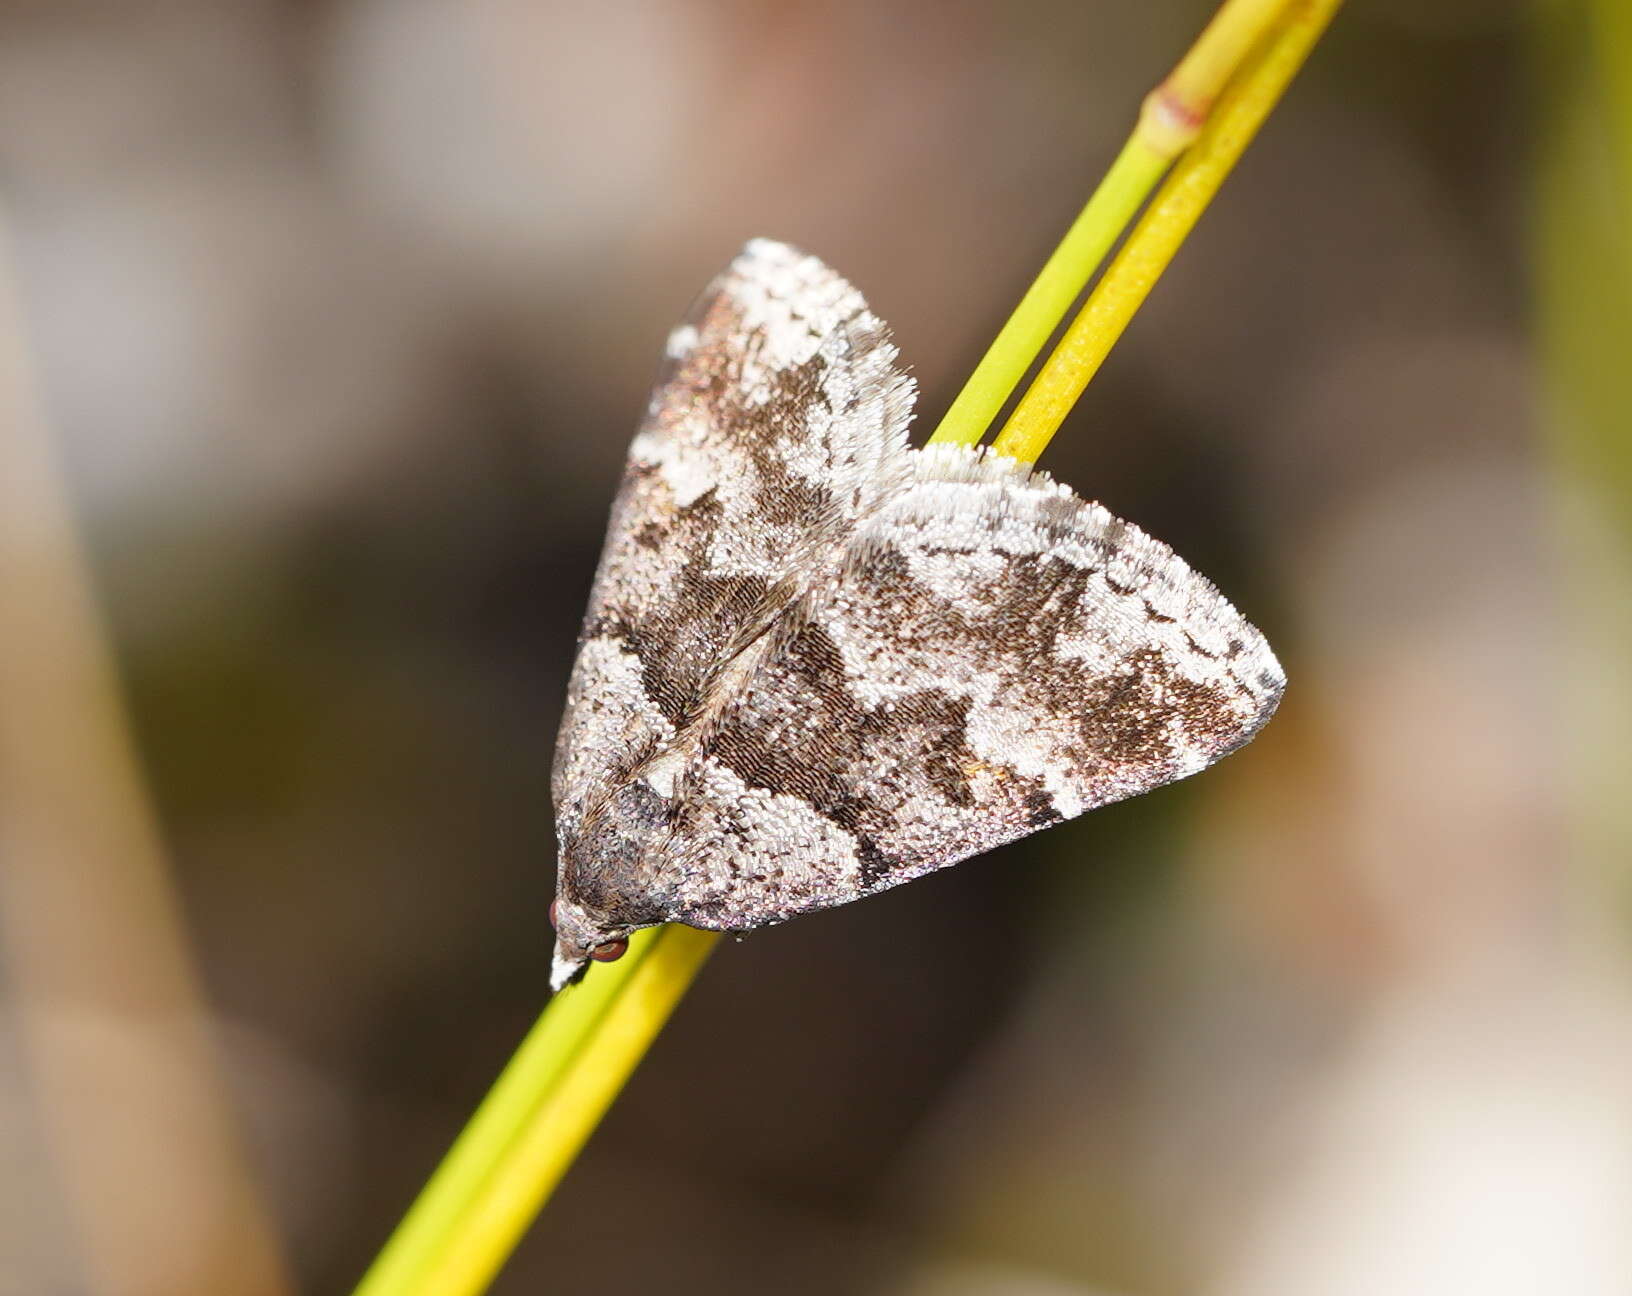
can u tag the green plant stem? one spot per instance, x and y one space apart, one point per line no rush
520 1098
551 1137
1163 229
1582 252
1168 123
1132 176
1611 24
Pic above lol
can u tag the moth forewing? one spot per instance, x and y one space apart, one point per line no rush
818 663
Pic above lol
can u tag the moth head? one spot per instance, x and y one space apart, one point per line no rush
580 937
607 877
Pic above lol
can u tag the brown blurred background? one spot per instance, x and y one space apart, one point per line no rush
337 317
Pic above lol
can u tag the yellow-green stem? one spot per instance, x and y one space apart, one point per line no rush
1581 221
1167 123
1611 24
559 1126
1131 177
1160 232
457 1228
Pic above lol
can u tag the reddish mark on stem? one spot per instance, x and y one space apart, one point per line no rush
1180 113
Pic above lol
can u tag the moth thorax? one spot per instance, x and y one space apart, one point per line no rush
608 867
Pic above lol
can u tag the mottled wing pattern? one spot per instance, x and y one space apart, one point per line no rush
994 656
778 422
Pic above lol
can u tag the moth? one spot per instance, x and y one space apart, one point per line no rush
818 663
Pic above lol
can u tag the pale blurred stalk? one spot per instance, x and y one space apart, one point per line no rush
1583 256
134 1114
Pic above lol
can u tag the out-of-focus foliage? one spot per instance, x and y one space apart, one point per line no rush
318 294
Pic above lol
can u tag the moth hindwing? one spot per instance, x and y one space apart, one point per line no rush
818 663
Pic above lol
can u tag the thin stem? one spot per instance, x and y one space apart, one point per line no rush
1161 231
554 1041
1611 24
556 1128
1208 65
1581 203
1131 177
1167 123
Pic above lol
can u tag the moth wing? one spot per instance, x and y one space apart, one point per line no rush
778 421
995 656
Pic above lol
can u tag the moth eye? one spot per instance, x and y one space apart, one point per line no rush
554 905
610 952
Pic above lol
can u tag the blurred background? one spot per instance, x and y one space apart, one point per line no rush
324 326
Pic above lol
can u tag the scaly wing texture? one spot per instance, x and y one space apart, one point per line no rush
993 656
778 423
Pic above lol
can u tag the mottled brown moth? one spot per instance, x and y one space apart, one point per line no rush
818 663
